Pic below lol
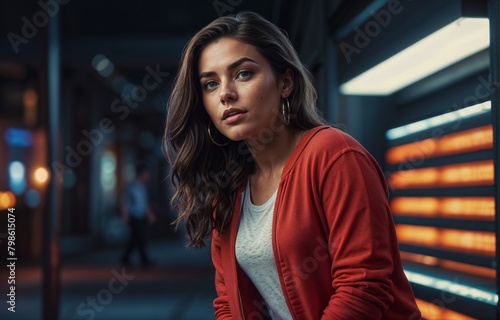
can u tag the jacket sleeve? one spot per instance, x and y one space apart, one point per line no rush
221 304
362 240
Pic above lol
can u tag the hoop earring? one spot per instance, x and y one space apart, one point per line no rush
212 139
286 112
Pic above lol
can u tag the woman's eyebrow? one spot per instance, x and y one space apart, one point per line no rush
232 66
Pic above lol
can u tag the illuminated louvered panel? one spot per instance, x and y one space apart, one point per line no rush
434 311
442 198
477 242
449 207
464 174
469 140
449 265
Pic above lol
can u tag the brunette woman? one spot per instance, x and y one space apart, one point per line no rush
297 210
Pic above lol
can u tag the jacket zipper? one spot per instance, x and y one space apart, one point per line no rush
241 305
274 244
233 250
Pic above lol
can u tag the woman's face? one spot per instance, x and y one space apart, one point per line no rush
239 89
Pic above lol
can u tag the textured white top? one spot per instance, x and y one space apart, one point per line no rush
254 253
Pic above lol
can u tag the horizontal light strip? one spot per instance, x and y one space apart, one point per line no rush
480 242
454 175
476 139
467 268
449 265
433 311
452 287
477 242
453 116
447 207
452 43
419 235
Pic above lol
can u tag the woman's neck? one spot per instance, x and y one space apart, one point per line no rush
272 149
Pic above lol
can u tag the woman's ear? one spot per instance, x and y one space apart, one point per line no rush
286 83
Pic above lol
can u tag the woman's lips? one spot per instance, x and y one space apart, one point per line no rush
233 115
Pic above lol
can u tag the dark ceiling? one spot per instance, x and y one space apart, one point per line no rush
134 34
130 33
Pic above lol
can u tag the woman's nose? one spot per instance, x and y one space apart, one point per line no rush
227 93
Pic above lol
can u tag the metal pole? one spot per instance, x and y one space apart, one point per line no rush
494 16
50 103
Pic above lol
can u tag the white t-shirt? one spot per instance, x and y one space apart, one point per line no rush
254 253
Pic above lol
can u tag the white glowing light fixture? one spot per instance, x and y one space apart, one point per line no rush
453 116
454 42
453 287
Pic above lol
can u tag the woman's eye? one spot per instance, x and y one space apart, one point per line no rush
210 85
244 74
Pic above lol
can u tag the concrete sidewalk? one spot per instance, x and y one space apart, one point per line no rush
94 286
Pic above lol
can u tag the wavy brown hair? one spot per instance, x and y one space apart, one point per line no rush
206 178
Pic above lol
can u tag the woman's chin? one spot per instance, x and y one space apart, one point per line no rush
235 138
237 135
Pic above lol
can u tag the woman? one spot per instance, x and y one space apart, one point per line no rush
297 210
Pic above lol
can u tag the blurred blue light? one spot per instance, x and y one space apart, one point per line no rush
69 179
18 137
97 59
32 198
17 177
106 69
103 65
108 171
16 170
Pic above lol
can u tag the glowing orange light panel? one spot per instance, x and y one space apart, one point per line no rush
432 311
476 139
464 174
428 236
478 242
482 208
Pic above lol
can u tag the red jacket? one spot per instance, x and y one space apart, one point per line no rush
333 239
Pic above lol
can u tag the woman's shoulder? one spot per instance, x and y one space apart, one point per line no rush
322 146
330 140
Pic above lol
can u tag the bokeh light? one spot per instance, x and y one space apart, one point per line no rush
17 177
32 198
41 176
7 200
